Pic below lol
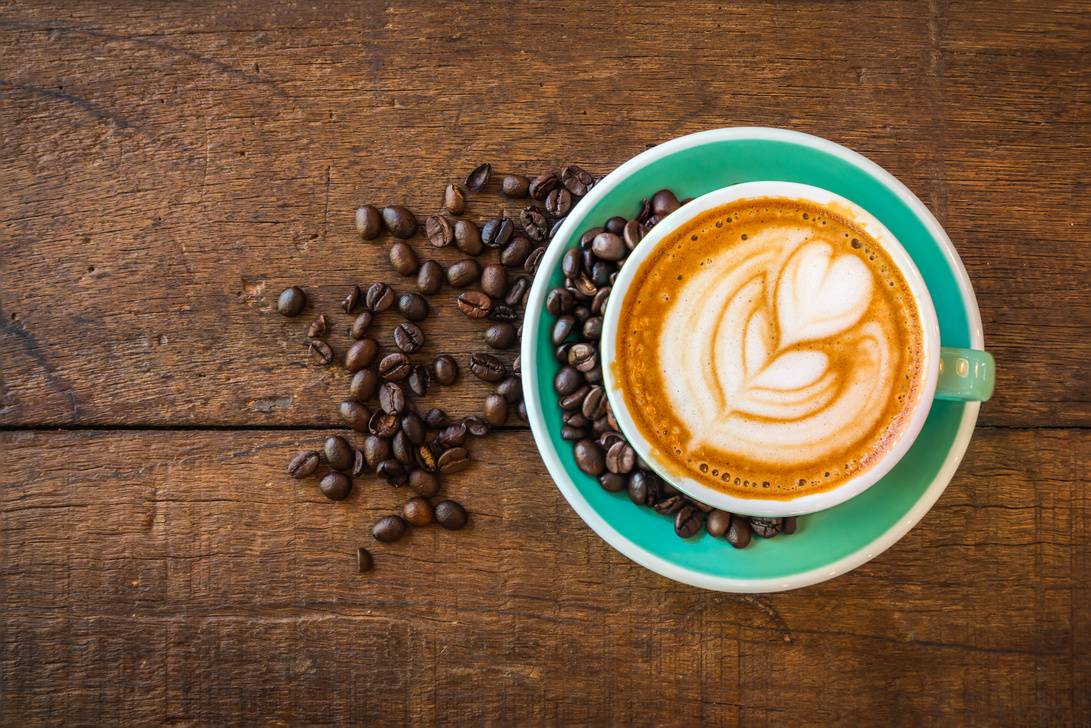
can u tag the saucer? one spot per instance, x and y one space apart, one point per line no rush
827 543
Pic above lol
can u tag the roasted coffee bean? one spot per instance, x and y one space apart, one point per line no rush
670 505
511 389
592 328
363 386
446 370
453 436
788 527
435 418
317 327
388 529
573 401
589 458
380 297
560 352
666 490
632 234
641 488
515 185
398 481
496 410
588 238
718 522
463 273
594 376
361 354
360 325
487 367
588 259
609 246
413 427
652 222
582 287
575 418
582 312
408 337
404 259
576 181
517 365
613 483
521 412
391 398
403 450
453 461
584 357
594 404
479 177
417 511
303 464
320 353
476 426
765 527
600 426
572 262
534 260
562 329
645 212
424 483
503 312
620 458
395 367
450 515
376 450
534 223
497 232
390 469
335 486
338 453
399 221
615 225
516 291
500 336
494 280
598 303
559 202
419 380
413 306
454 200
364 562
571 434
359 463
688 522
474 304
738 533
369 222
664 203
439 230
355 415
607 439
560 301
542 185
516 251
601 272
468 238
383 425
430 278
291 301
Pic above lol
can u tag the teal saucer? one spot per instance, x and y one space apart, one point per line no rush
827 543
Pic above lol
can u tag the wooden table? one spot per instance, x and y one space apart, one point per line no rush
168 168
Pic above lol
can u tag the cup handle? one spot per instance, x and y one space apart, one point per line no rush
968 375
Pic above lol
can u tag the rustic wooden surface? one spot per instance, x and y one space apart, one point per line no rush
166 169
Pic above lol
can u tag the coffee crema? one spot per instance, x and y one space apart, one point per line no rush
770 348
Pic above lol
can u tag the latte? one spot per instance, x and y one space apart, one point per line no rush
770 349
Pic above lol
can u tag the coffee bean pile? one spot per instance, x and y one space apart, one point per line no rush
599 448
402 446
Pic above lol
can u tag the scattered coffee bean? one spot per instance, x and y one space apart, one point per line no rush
503 312
317 327
383 425
391 398
303 464
360 325
765 527
363 386
335 486
688 522
446 370
404 259
497 232
355 415
534 223
559 202
463 273
376 450
474 304
738 533
500 336
511 389
516 251
576 181
454 200
468 238
413 306
320 353
364 561
453 461
417 512
439 230
391 469
399 221
369 222
450 515
403 450
718 522
338 452
515 185
589 458
419 380
352 300
516 291
494 280
430 278
517 365
361 354
454 435
424 483
408 337
542 185
487 367
479 177
380 297
435 418
388 529
521 412
496 410
359 463
395 367
534 260
413 427
291 301
612 482
476 426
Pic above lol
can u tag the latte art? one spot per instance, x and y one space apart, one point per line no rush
777 348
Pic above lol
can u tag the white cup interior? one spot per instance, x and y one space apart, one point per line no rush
809 503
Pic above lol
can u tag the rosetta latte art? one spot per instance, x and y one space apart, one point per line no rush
793 370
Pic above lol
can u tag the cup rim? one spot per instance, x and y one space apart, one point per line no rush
770 189
533 321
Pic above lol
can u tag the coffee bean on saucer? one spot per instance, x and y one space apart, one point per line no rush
454 200
399 221
615 225
320 353
430 278
318 327
361 325
738 533
291 301
487 367
364 385
589 237
408 337
468 238
355 415
574 401
598 303
379 297
612 482
335 486
479 177
474 304
632 234
639 485
500 335
369 222
451 515
664 203
620 458
542 185
718 522
563 328
453 461
584 357
361 354
364 562
571 434
439 230
303 464
592 328
594 405
560 301
688 522
395 367
788 526
496 410
418 511
572 262
446 370
515 185
463 273
765 527
388 529
589 458
609 246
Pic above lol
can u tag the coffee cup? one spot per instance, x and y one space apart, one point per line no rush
771 349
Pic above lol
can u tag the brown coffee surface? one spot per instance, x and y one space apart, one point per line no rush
770 349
